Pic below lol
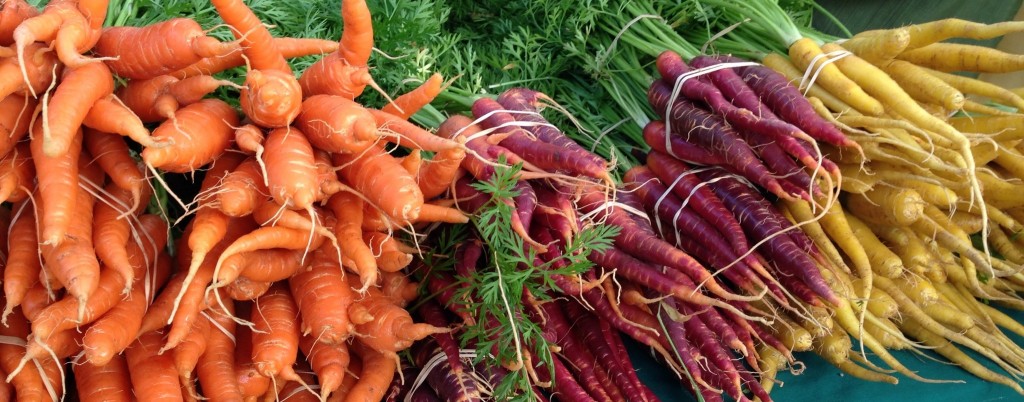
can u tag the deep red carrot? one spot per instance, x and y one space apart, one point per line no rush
574 348
679 146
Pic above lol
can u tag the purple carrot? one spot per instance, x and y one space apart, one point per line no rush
629 199
731 85
527 100
587 327
563 383
760 220
525 202
556 330
672 67
556 212
621 356
443 288
685 351
549 157
712 133
786 100
685 184
469 199
433 314
793 178
606 311
642 245
448 380
709 345
678 146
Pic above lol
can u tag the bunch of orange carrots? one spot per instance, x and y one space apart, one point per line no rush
290 248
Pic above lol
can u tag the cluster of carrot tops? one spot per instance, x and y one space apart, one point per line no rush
287 279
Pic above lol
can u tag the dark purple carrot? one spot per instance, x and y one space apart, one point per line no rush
549 157
588 328
525 202
743 331
642 245
760 220
731 85
556 212
527 100
443 288
685 352
685 184
557 330
469 200
769 339
709 344
432 313
603 308
564 384
628 199
614 340
786 101
711 132
793 178
754 386
678 146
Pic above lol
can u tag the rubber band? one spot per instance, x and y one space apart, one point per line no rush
489 114
218 326
11 340
830 58
677 88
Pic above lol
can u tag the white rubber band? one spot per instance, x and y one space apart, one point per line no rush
830 57
677 88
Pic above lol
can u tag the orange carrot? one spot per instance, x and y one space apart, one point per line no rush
336 124
41 68
63 114
329 362
112 333
193 89
323 297
275 336
348 210
15 116
289 48
243 288
216 366
169 45
41 28
268 237
36 299
378 369
110 115
101 383
111 233
153 375
114 157
12 13
57 179
250 382
386 185
345 72
16 174
150 99
28 384
73 261
397 288
402 132
263 265
200 133
95 11
241 190
186 354
410 102
250 139
271 95
391 329
23 264
291 172
75 37
439 173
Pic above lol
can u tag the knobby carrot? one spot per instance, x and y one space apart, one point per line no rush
16 174
199 134
15 118
289 48
170 45
344 73
291 172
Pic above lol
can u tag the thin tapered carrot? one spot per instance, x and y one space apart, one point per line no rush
186 354
15 118
329 362
106 382
149 99
23 263
289 48
57 179
950 57
110 115
249 138
291 172
28 384
323 298
410 102
41 28
153 375
217 362
193 89
399 131
337 124
348 209
200 133
268 237
63 116
109 335
114 157
16 174
171 45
